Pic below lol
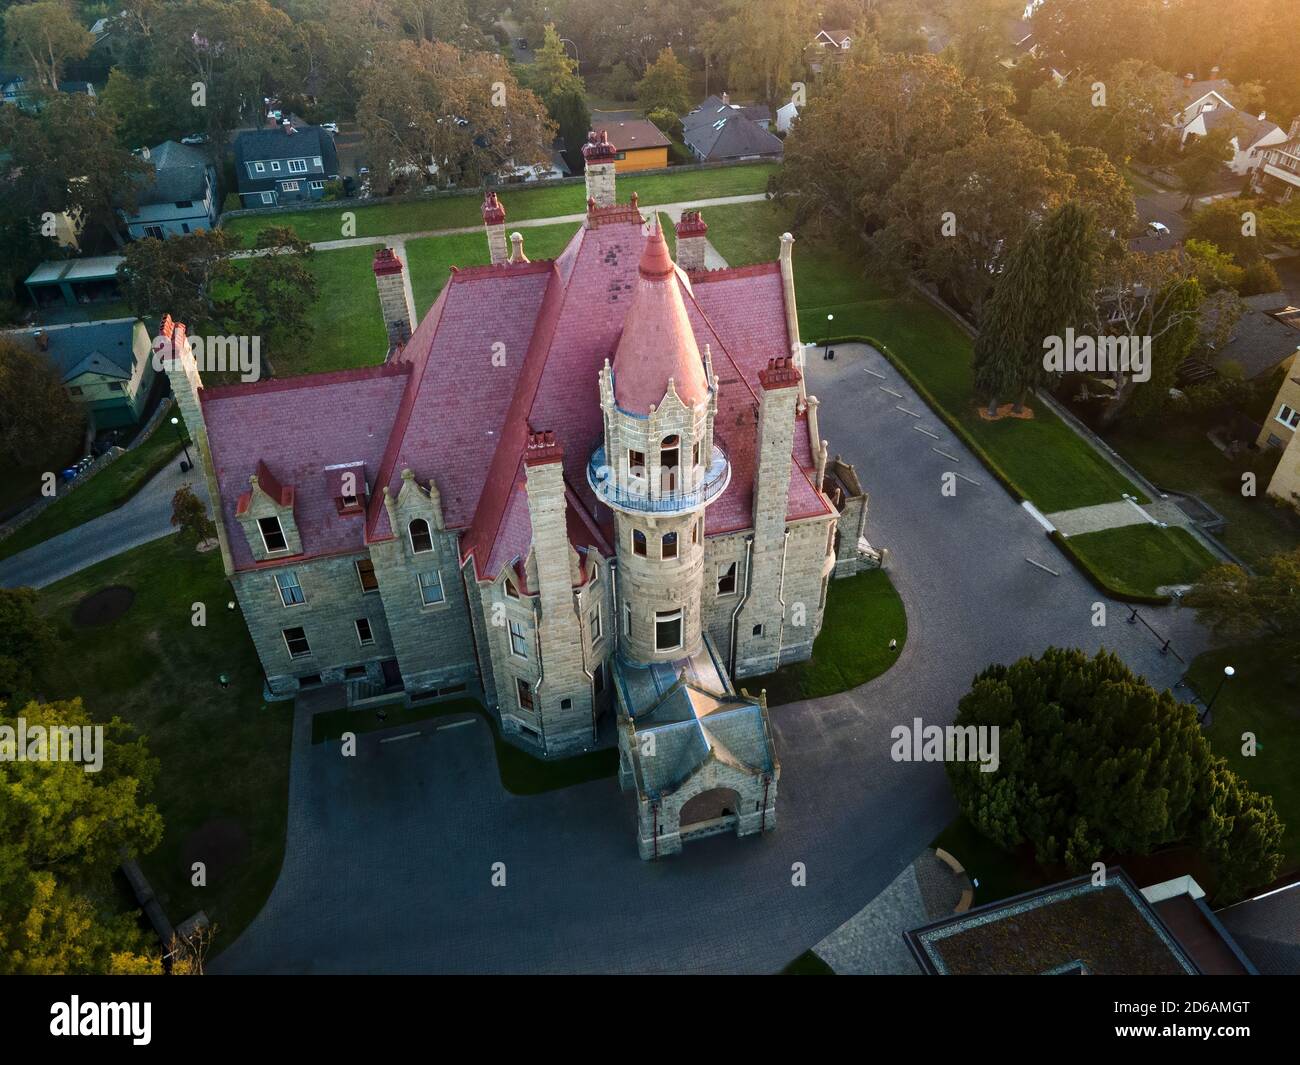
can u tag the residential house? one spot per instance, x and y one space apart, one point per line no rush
181 197
1205 106
1268 929
720 131
629 510
1278 175
105 366
829 46
1280 432
786 115
641 144
16 89
284 164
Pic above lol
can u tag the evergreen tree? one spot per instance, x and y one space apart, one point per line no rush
1009 348
665 85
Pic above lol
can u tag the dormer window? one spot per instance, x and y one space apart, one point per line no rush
421 537
511 591
272 535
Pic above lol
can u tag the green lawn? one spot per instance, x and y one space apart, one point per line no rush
224 753
1042 457
520 772
453 212
1259 699
1138 559
1181 459
106 490
863 613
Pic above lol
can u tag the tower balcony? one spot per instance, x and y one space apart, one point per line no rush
638 495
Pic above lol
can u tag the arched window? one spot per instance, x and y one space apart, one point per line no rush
668 548
638 542
421 537
669 457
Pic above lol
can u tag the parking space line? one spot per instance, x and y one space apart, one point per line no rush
968 480
874 374
896 395
922 429
909 413
945 454
403 736
1045 569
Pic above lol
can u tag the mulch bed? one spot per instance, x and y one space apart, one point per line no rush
103 606
1007 410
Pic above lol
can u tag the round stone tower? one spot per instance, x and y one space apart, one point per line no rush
659 468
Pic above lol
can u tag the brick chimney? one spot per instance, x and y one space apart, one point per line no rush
494 221
1189 80
599 155
726 99
394 300
691 241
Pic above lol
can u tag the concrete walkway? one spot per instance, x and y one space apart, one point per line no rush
146 516
1099 517
672 210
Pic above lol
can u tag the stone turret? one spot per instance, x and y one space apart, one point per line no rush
598 155
494 221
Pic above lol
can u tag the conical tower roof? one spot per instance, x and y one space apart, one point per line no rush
657 342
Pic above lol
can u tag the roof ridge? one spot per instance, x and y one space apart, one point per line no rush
307 380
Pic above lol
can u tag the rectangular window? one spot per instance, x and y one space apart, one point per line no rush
1289 417
518 640
268 197
627 620
74 390
275 167
636 463
272 535
366 575
295 640
364 633
593 622
297 166
317 163
727 579
290 590
695 454
115 386
524 692
259 168
289 186
430 588
317 186
668 630
154 231
696 529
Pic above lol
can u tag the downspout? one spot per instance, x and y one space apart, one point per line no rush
541 675
735 614
591 679
655 808
780 598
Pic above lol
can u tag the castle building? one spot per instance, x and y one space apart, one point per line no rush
578 489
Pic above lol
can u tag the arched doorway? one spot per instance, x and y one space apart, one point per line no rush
709 812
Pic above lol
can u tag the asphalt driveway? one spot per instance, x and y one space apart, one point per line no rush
390 855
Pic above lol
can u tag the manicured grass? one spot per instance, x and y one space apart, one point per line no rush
453 212
1179 458
1042 457
224 753
863 613
104 491
808 964
1260 699
1138 559
520 772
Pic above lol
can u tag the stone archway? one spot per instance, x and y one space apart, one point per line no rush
712 805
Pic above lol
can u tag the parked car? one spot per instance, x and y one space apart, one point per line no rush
333 127
1158 228
521 42
195 138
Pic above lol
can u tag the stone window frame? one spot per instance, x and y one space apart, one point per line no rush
627 619
509 589
288 642
364 641
642 544
664 541
594 624
441 601
733 570
361 580
667 617
515 630
291 575
279 528
524 696
410 535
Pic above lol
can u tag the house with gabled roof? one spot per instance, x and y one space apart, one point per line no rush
285 163
567 472
179 198
719 130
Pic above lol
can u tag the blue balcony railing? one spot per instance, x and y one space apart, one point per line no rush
638 495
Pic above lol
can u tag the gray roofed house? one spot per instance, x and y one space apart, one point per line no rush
284 164
105 366
1267 929
719 130
1259 342
181 198
699 756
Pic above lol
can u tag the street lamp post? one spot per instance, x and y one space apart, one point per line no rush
176 423
826 354
1228 671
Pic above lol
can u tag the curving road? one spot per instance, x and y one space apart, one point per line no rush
389 855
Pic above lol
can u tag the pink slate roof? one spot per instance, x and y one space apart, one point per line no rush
505 350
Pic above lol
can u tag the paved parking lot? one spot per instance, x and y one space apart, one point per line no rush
390 855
